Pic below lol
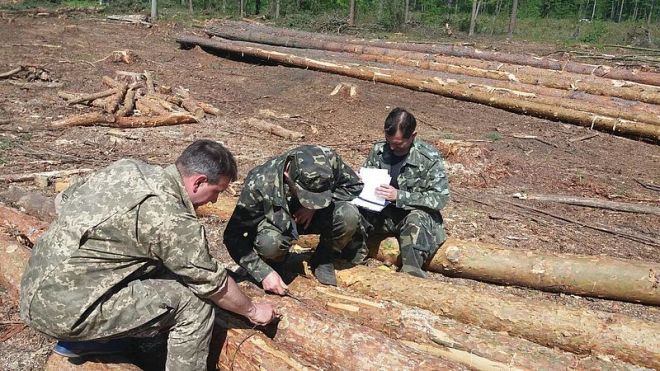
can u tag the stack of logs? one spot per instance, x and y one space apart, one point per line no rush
611 99
374 320
157 105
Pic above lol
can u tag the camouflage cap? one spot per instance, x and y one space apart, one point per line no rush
313 176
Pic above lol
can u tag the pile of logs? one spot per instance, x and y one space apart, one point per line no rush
134 100
374 321
611 99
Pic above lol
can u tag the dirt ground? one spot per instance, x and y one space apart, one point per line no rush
486 163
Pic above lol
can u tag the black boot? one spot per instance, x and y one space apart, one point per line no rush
412 261
324 269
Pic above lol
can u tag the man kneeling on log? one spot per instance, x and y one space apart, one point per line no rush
303 191
127 257
418 190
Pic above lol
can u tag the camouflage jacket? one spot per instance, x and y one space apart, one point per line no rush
120 224
422 179
263 204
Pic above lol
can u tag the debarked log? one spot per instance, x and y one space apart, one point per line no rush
275 129
593 275
440 87
575 330
472 346
105 119
331 342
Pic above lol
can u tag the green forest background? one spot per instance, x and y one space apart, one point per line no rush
594 22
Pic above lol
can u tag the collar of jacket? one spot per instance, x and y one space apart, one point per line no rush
414 155
176 178
279 194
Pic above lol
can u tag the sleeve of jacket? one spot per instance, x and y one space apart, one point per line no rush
347 185
176 238
433 195
241 231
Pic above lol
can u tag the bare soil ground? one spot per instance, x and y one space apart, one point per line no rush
485 168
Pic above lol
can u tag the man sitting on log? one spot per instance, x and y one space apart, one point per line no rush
418 190
303 191
127 257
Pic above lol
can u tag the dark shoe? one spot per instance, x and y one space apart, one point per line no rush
325 273
73 349
414 271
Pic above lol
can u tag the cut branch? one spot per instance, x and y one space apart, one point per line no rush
595 203
275 129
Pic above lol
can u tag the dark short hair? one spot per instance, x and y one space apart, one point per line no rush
209 158
400 119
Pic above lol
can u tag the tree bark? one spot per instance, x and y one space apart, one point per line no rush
619 73
596 276
620 11
473 18
148 122
596 203
574 330
330 342
154 11
471 346
528 75
514 15
351 13
438 86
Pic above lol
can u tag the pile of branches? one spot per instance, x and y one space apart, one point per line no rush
134 100
29 75
612 99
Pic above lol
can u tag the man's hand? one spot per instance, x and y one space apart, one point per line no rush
262 314
273 283
387 192
304 216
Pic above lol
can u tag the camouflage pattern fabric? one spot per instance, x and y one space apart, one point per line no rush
262 225
96 272
423 191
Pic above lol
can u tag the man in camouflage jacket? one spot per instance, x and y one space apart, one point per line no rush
303 191
416 194
127 257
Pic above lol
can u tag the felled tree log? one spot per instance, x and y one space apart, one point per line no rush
595 203
275 129
597 276
148 122
388 54
251 350
472 346
90 97
575 330
470 52
128 104
11 178
438 86
329 342
85 119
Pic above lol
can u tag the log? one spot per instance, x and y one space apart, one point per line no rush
209 108
148 106
251 350
595 276
464 66
11 73
150 122
470 52
190 104
575 330
90 97
128 104
85 119
32 203
13 178
471 346
275 129
330 342
108 363
441 87
149 82
595 203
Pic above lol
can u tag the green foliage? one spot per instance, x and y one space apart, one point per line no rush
595 34
5 144
494 136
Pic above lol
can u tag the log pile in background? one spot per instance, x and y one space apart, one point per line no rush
132 94
611 99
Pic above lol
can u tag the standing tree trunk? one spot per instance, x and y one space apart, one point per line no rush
242 6
634 17
473 18
224 6
154 10
277 9
593 11
648 19
621 11
190 6
257 6
514 14
351 13
406 14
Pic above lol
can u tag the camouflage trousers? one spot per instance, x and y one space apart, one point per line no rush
340 226
143 308
419 233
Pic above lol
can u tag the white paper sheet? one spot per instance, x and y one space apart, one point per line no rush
372 178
